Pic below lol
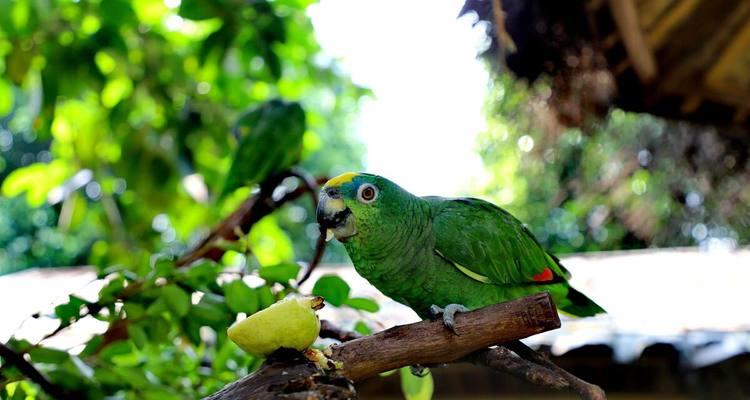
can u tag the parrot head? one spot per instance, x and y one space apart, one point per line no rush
355 203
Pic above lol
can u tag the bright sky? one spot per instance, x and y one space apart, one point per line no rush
420 61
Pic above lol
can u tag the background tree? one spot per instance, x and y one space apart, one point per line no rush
124 110
628 181
115 143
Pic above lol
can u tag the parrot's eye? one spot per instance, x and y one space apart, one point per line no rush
367 193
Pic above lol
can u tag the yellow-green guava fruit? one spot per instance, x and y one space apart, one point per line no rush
290 323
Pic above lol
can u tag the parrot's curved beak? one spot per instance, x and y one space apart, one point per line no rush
334 217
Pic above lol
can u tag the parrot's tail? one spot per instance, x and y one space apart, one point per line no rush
579 305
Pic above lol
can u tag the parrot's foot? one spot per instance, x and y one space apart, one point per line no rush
419 370
449 313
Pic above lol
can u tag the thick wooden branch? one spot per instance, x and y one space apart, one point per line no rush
425 342
287 375
429 342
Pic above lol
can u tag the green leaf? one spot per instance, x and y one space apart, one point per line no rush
92 346
157 307
270 142
362 328
178 301
198 9
19 393
135 377
114 349
36 180
77 130
270 244
69 311
266 297
281 273
133 310
212 311
192 329
115 90
112 289
362 303
6 97
157 329
47 355
19 345
200 274
240 297
137 335
414 387
332 288
162 265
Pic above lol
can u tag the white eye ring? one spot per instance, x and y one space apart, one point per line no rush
367 193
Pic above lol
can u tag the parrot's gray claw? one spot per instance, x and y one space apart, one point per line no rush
419 370
435 311
449 313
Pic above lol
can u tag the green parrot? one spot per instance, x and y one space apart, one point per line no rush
440 255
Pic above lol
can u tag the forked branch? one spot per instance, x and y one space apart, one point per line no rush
424 343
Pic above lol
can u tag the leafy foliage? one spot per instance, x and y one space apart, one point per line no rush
414 387
630 181
124 108
121 125
270 140
332 288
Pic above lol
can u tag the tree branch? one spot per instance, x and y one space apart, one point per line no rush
28 369
429 342
424 343
502 359
245 216
331 331
584 389
320 247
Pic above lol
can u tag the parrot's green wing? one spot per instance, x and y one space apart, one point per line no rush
488 244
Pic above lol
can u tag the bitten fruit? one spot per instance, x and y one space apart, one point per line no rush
290 323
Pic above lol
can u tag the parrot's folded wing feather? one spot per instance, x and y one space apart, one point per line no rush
488 244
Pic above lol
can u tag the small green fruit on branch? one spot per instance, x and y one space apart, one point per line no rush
290 323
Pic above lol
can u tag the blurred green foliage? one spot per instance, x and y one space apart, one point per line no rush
119 113
628 181
116 141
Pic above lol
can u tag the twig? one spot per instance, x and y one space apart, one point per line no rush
501 34
502 359
26 368
320 247
320 244
245 216
309 181
584 389
331 331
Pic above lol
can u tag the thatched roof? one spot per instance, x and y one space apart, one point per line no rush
680 59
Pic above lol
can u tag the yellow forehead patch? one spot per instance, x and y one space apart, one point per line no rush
341 179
